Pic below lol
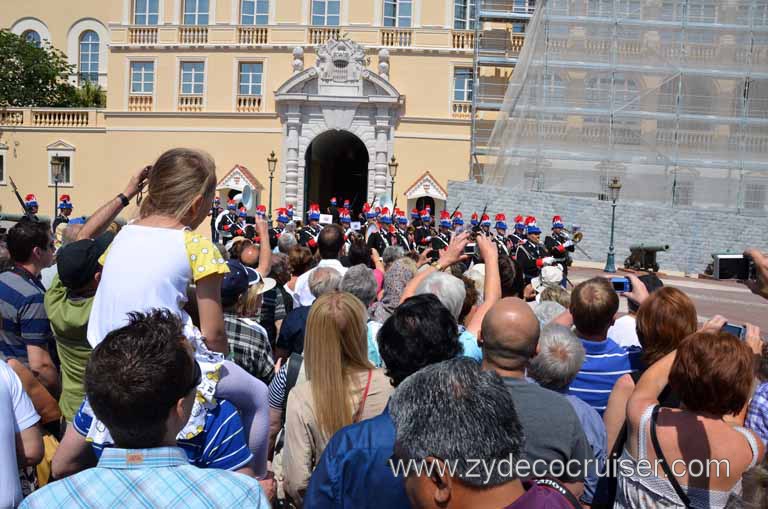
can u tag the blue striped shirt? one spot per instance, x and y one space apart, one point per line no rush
222 444
150 478
22 311
604 363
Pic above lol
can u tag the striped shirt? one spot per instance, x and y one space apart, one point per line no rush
24 321
222 443
153 478
604 363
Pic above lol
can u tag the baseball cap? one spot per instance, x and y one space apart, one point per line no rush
254 278
551 277
79 261
235 282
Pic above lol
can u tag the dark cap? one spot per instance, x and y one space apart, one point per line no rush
78 262
235 282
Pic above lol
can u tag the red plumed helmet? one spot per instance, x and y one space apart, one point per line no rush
500 217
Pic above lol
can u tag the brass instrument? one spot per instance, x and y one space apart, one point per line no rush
575 235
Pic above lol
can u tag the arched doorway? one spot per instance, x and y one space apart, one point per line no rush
336 164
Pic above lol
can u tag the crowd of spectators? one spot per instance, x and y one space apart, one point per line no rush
149 367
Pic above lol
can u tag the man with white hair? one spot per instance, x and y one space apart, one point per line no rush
559 359
451 291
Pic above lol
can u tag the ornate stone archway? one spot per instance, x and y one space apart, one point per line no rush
340 93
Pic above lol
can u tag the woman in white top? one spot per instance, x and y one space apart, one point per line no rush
712 373
150 265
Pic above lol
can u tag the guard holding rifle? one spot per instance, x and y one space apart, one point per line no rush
402 236
517 237
379 239
424 233
308 234
443 237
532 255
65 210
559 245
226 224
500 239
274 233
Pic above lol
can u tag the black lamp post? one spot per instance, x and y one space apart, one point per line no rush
393 164
615 188
57 165
271 165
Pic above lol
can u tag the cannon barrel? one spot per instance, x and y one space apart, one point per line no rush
643 247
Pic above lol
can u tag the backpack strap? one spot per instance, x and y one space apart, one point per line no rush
660 456
294 367
555 485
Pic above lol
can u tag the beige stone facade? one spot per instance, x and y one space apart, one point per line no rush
208 74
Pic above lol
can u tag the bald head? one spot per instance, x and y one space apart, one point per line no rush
250 256
510 334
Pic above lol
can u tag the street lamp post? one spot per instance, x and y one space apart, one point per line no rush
615 188
56 169
271 165
393 164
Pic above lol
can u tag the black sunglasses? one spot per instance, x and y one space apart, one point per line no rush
197 378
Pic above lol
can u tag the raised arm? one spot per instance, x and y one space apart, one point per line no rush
492 286
265 253
106 214
454 253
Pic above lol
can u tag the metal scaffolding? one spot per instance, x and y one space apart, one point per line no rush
671 96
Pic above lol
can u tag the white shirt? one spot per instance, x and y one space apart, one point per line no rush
47 275
16 415
303 294
623 331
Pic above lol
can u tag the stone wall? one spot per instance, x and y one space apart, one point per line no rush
692 234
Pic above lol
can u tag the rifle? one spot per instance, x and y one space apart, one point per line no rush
455 210
27 213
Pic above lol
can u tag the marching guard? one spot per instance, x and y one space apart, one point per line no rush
308 234
500 239
402 236
532 255
559 245
215 212
65 210
227 222
423 234
443 237
277 231
379 239
517 237
458 222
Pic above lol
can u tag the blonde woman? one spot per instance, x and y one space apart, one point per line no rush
342 387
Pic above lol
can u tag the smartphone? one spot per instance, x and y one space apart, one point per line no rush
737 330
621 284
470 249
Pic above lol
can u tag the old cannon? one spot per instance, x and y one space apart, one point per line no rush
642 257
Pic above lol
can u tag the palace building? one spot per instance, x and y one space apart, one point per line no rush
336 88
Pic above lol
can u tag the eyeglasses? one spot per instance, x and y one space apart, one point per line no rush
197 377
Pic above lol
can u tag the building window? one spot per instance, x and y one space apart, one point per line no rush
397 13
32 37
325 12
462 84
756 15
195 12
192 78
145 12
142 78
754 196
254 12
464 14
89 56
250 78
631 9
65 174
697 11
